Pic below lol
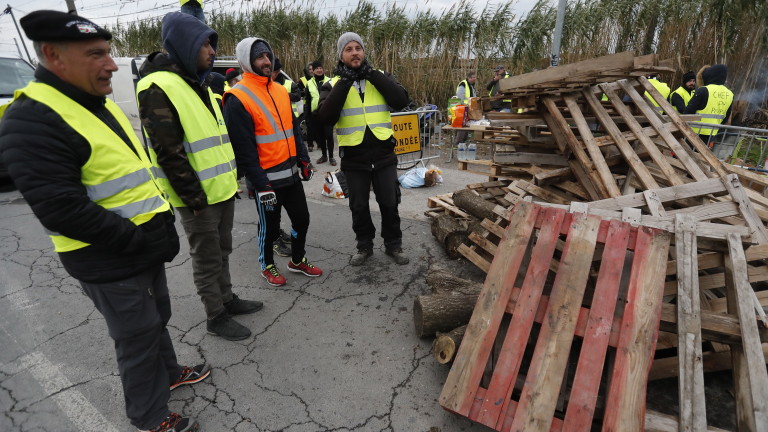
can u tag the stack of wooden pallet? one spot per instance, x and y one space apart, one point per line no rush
625 162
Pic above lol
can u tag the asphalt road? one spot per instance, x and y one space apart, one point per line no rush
334 353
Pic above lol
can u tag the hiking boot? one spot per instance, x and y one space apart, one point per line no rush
398 256
333 162
273 276
226 327
360 257
281 247
192 375
304 267
323 159
176 423
238 306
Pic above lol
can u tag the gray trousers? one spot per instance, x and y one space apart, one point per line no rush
210 243
136 311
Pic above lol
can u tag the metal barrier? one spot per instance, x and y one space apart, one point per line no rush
422 127
742 146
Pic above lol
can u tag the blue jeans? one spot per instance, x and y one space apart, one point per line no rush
195 10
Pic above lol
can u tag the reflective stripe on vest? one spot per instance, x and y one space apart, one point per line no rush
268 104
683 93
315 92
294 105
662 88
357 114
114 177
206 141
467 93
718 102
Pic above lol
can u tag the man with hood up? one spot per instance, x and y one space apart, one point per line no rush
196 164
358 101
680 97
268 146
712 101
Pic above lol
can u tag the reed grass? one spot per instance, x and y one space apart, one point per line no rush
431 52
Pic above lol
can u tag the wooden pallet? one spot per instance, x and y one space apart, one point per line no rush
519 314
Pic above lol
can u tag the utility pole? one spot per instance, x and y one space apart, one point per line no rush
8 10
555 59
16 42
71 7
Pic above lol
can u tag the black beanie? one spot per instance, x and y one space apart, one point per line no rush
690 75
316 64
277 65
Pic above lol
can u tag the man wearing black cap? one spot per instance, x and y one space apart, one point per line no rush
191 148
321 133
680 97
357 102
74 156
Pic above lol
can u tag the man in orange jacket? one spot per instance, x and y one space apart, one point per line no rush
269 150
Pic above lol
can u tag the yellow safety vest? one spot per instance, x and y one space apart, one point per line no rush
490 93
356 115
718 102
315 92
467 93
206 140
183 2
683 93
294 105
114 177
662 88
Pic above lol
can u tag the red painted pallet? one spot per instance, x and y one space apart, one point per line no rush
531 325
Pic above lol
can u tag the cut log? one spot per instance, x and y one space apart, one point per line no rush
450 233
473 204
447 344
441 281
441 313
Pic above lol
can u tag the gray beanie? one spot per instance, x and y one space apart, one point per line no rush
347 38
258 48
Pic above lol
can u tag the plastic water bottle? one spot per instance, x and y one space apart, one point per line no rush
472 151
462 151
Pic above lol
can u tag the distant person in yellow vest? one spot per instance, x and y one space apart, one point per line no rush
464 91
712 102
75 158
195 160
302 83
322 133
194 8
662 88
357 101
493 88
294 92
680 97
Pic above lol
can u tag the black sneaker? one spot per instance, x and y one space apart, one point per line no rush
398 256
323 159
238 306
227 328
284 236
176 423
281 247
360 257
192 375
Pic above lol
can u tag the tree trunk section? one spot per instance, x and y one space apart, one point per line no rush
473 204
447 344
442 313
450 233
441 281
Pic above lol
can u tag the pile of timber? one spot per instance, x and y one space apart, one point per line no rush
621 159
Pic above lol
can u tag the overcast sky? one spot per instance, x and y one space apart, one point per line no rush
108 12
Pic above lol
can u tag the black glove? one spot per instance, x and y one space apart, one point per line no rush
268 198
365 70
306 170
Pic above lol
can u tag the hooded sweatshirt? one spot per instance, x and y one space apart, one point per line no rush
183 36
716 74
241 129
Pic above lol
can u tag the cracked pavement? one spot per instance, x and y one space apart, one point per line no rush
334 353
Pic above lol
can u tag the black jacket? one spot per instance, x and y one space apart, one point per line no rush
44 156
372 153
716 74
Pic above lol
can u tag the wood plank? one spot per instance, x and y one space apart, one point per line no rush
666 367
625 407
655 207
462 382
671 193
584 179
589 369
545 374
594 151
750 374
474 257
693 414
545 194
659 422
531 158
737 191
511 355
